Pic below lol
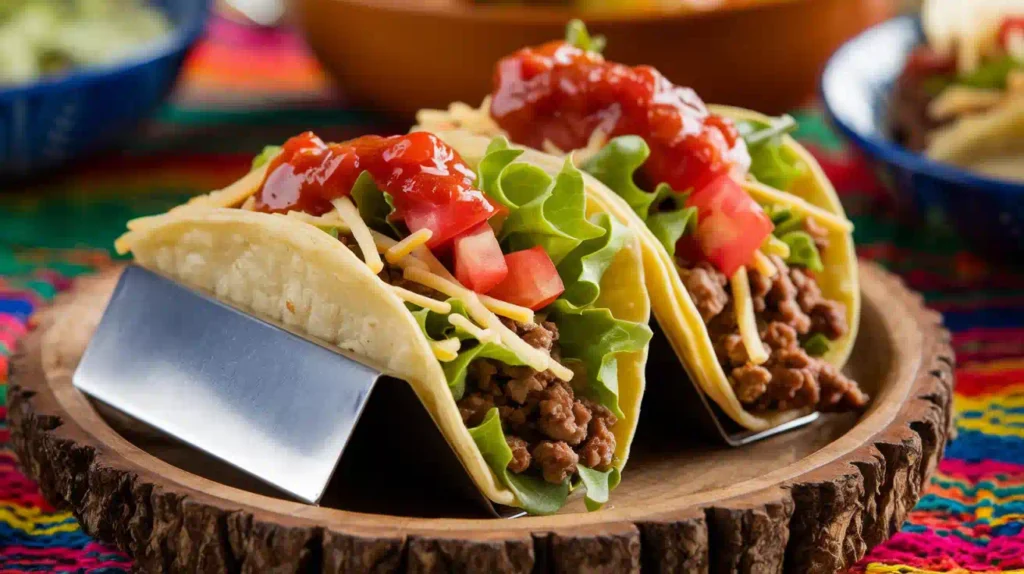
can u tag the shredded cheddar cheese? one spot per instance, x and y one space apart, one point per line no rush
534 358
396 252
232 195
350 215
764 266
482 335
326 220
440 307
776 246
506 309
445 351
249 204
765 194
745 319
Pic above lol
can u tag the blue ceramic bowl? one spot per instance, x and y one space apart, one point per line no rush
855 89
49 122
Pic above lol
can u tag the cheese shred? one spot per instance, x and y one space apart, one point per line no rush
445 351
350 215
440 307
768 195
745 319
776 246
396 252
534 358
482 335
508 310
764 266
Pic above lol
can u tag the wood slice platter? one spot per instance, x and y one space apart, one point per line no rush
812 500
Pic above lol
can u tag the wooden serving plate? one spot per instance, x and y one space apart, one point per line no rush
813 500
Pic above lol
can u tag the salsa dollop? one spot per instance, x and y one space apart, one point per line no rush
430 185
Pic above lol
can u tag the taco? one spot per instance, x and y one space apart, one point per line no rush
527 346
749 256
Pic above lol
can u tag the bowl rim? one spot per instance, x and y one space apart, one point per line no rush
181 37
889 151
559 15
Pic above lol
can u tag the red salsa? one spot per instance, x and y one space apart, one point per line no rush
561 93
430 184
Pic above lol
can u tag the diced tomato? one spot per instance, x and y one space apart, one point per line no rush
1010 25
731 226
532 279
446 221
479 263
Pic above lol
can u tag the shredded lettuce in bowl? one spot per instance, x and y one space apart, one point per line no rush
43 37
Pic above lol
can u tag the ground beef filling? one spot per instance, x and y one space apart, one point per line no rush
790 308
548 427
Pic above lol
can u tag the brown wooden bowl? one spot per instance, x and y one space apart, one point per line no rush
399 56
812 500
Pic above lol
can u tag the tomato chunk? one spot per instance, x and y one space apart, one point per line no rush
731 226
1012 25
445 222
532 280
429 184
479 263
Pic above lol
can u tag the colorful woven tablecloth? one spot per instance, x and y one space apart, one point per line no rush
243 88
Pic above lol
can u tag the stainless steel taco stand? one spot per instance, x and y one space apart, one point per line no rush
290 411
814 499
682 406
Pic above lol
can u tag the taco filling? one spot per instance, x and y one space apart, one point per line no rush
710 190
502 271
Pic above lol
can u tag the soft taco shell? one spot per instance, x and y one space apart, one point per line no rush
675 311
293 272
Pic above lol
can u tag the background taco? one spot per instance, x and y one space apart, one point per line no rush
758 284
536 385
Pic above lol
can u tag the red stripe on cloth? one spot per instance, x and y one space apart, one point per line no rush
973 383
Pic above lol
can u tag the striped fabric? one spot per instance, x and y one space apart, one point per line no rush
969 520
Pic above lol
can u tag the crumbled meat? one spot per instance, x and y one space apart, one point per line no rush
779 336
556 460
837 391
760 285
483 372
523 381
706 286
829 318
789 312
808 294
547 427
789 308
520 454
474 407
541 336
731 350
598 451
750 382
793 381
562 417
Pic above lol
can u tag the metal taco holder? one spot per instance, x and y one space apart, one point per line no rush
673 400
303 417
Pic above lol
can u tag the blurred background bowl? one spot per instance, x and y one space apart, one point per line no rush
399 56
855 89
51 121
